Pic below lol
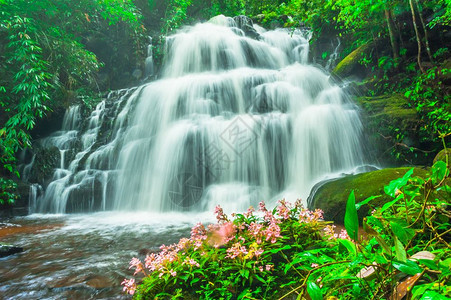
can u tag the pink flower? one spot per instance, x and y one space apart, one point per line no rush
256 231
284 209
137 264
198 232
313 265
272 232
220 216
173 273
318 214
222 234
236 250
249 212
344 235
260 268
191 262
262 207
258 252
269 267
329 230
298 204
129 286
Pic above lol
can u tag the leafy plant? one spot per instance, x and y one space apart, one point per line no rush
290 250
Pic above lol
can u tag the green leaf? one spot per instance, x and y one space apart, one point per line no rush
432 295
403 233
314 291
429 263
286 247
243 293
439 171
350 246
362 203
391 203
397 184
351 219
400 251
409 267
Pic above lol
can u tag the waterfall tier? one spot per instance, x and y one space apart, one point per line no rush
232 121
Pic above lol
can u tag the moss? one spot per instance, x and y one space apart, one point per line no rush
332 196
390 120
350 64
393 108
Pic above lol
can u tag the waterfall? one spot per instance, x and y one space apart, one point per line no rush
233 121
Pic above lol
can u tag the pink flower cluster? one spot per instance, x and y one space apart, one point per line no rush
237 250
330 231
252 234
308 216
284 209
267 268
221 234
220 216
129 286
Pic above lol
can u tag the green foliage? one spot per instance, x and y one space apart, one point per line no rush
404 251
175 15
7 188
429 97
42 56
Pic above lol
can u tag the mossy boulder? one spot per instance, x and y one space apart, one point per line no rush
350 65
331 197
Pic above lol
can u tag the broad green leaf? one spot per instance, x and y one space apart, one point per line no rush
350 246
397 184
314 291
399 232
243 294
409 267
351 219
429 263
362 203
400 251
439 171
390 204
432 295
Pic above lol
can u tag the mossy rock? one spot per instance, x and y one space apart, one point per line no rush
389 120
350 64
331 197
47 159
390 107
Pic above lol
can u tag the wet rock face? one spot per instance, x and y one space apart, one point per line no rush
245 23
47 159
6 250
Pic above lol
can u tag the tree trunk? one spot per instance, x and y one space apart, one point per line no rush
426 40
391 32
417 35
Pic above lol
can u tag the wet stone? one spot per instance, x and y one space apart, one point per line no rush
6 250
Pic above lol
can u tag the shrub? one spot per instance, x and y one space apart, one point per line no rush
290 251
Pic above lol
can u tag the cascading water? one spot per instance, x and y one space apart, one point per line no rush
232 121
